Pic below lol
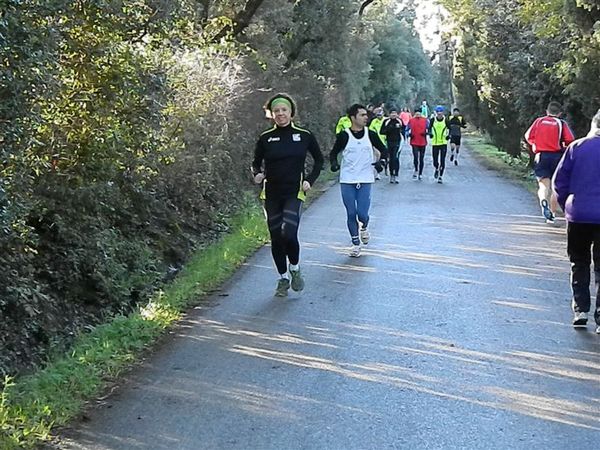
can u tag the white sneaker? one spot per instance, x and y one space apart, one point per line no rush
378 177
364 236
598 329
355 251
580 319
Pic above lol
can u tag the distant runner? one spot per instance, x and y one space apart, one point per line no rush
456 123
439 133
393 130
418 141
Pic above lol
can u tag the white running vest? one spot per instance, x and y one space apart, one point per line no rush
357 160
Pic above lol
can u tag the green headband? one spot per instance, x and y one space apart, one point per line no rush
281 101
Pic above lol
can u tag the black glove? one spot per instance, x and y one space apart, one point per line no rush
379 166
335 167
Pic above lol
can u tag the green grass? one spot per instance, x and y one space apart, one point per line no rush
31 406
491 157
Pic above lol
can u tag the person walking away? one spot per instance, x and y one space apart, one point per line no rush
576 183
456 123
361 149
279 160
393 130
439 134
418 142
548 136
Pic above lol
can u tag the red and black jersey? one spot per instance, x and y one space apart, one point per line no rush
549 134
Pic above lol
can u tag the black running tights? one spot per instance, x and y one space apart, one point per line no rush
418 158
439 157
583 247
393 150
283 219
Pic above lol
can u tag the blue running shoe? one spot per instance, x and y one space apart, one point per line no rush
546 210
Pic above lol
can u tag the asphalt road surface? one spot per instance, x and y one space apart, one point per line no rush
451 331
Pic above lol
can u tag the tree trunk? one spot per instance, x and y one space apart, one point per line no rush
364 6
241 20
205 9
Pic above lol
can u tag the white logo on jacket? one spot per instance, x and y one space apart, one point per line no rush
274 139
296 137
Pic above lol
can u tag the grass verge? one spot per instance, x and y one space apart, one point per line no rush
31 406
491 157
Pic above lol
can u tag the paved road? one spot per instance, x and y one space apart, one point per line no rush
452 331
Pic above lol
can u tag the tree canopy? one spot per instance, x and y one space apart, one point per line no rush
514 57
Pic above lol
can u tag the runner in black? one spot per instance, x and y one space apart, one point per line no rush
456 122
393 130
283 149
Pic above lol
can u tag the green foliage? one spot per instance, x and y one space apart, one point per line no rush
401 72
513 57
95 140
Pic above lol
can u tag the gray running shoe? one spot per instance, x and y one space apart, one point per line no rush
297 280
365 236
355 251
282 287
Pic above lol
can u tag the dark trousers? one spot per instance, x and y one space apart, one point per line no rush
283 218
393 149
418 158
439 157
583 245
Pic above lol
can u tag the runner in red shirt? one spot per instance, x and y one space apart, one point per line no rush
418 141
548 137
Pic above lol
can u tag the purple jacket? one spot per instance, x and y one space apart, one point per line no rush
577 180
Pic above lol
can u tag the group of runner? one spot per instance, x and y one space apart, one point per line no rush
369 142
402 127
